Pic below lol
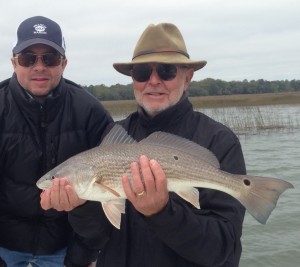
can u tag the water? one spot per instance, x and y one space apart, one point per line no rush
278 242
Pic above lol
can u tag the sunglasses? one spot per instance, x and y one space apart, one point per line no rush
30 59
142 72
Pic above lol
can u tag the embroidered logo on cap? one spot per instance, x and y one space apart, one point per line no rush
39 29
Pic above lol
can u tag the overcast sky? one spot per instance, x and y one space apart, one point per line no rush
240 39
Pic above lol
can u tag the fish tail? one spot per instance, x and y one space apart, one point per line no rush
263 195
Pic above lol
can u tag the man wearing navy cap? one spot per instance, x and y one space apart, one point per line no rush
44 119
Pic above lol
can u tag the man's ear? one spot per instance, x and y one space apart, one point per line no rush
64 63
13 62
188 77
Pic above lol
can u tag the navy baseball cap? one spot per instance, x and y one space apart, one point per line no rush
39 30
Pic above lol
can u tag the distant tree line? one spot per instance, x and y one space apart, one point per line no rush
206 87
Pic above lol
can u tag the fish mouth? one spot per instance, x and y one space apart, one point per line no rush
44 184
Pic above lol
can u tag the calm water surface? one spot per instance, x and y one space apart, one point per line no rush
278 242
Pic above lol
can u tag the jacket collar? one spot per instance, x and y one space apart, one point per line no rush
171 116
31 107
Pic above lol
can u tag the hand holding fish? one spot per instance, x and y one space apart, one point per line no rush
149 192
61 196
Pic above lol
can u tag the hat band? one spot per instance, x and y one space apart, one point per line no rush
146 52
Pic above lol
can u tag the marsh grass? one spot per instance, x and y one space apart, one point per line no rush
253 119
244 114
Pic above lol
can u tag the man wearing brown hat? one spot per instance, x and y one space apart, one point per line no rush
44 119
159 228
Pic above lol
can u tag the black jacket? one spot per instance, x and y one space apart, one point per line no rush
34 138
180 235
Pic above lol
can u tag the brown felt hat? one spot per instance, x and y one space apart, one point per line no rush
161 43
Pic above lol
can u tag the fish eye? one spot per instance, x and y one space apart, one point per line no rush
247 182
52 177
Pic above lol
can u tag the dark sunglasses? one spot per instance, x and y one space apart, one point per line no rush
30 59
142 72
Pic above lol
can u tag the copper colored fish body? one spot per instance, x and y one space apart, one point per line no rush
96 174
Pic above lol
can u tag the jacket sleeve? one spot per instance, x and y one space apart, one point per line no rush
209 236
92 231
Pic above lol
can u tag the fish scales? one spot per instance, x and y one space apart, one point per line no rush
178 166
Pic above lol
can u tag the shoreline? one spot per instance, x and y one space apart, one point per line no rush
247 100
292 98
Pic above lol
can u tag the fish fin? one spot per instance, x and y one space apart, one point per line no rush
263 195
107 188
113 210
191 195
117 135
184 145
